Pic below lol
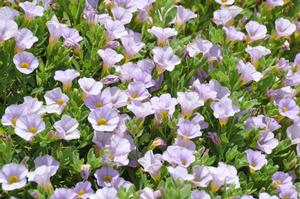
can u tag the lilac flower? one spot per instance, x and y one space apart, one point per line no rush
105 176
126 71
119 98
293 132
109 57
85 171
281 180
13 113
66 128
288 192
201 175
214 53
266 142
97 101
183 15
132 44
223 109
46 160
292 78
284 27
72 37
257 52
221 90
164 105
148 193
179 173
256 31
25 39
29 126
188 144
188 130
119 149
33 106
7 13
146 65
189 101
127 4
25 62
114 30
63 193
104 119
137 91
121 14
248 72
265 195
151 163
31 10
275 3
90 86
288 108
199 46
179 155
204 91
55 29
282 93
162 34
66 77
105 193
13 176
83 189
233 34
256 160
143 77
110 79
55 100
196 194
225 2
140 110
222 17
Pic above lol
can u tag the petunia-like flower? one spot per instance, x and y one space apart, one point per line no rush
214 53
25 62
275 3
143 77
221 90
222 17
114 30
162 34
66 77
127 4
31 10
189 130
188 144
119 149
105 193
66 128
13 113
126 71
284 27
85 171
109 57
257 52
200 194
248 72
199 46
183 15
148 193
119 98
180 173
164 105
179 156
201 175
266 142
90 86
83 189
121 14
97 101
204 91
265 195
13 176
8 29
281 179
105 176
140 110
104 119
72 37
256 160
255 31
29 126
293 132
63 193
225 2
25 39
223 109
132 44
55 29
7 13
151 163
288 108
137 91
233 34
56 101
288 192
189 101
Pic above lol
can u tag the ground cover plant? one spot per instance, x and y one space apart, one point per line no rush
149 99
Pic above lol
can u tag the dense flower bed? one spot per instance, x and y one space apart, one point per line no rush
149 99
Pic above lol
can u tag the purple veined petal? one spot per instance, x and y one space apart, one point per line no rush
233 34
165 59
66 128
256 159
248 72
179 156
56 101
257 52
109 57
256 31
140 110
25 62
29 126
284 27
122 15
83 189
105 176
132 44
66 77
63 193
162 34
104 119
8 29
293 132
31 9
183 15
105 193
7 13
90 86
13 176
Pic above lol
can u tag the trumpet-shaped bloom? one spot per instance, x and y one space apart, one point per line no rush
105 193
257 52
132 43
199 46
31 10
66 77
109 57
189 130
293 132
55 29
256 31
72 37
223 109
83 189
8 29
66 128
104 119
266 142
281 179
26 62
201 175
56 101
183 15
288 108
284 27
13 113
119 149
7 13
25 39
121 14
29 126
151 163
256 159
114 29
63 193
204 91
199 194
13 176
189 101
248 72
179 156
140 110
90 86
162 34
105 176
164 105
180 173
137 91
233 34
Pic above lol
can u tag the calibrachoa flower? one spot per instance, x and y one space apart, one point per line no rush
105 193
162 34
83 189
164 105
204 91
121 14
288 108
140 110
25 39
66 77
105 176
189 130
267 142
233 34
255 31
256 160
137 91
63 193
109 57
13 113
248 72
56 101
104 119
223 17
90 86
72 37
118 150
293 132
257 52
284 27
26 62
199 46
148 193
31 10
183 15
29 126
13 176
7 13
179 156
132 44
8 29
189 101
66 128
179 173
100 100
151 163
201 175
199 194
55 30
114 30
281 180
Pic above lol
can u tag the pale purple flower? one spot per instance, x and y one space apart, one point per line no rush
289 193
188 144
119 149
233 34
223 109
121 14
34 106
13 113
140 110
204 91
201 175
265 195
66 77
63 193
188 130
83 189
13 176
119 98
137 91
288 108
72 37
256 31
148 193
25 39
196 194
275 3
179 156
292 78
31 10
256 160
103 99
114 30
55 29
127 4
164 105
110 79
90 86
189 101
143 77
248 72
132 44
225 2
162 34
266 142
180 173
56 101
183 15
26 62
151 163
257 52
282 93
146 65
104 119
66 128
29 126
222 17
214 53
109 57
7 13
105 176
293 132
46 160
85 170
281 179
121 183
284 27
105 193
221 90
126 71
199 46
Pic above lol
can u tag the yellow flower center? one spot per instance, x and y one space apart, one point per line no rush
14 121
102 121
223 1
32 130
60 101
81 192
134 95
183 162
277 182
98 104
284 109
106 178
214 187
24 65
13 179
